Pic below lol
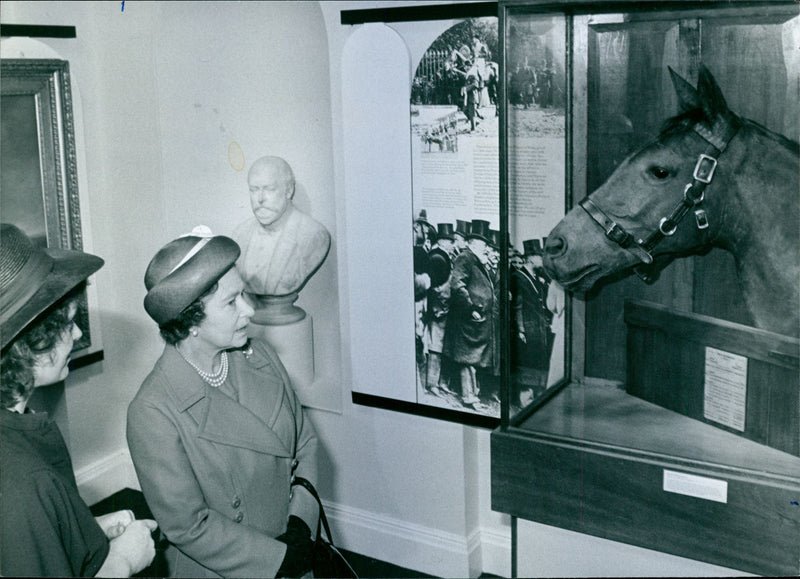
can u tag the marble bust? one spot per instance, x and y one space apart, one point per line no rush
281 246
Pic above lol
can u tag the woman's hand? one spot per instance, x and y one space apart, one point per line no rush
131 551
299 548
114 524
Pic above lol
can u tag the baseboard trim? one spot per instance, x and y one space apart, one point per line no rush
415 547
490 552
103 478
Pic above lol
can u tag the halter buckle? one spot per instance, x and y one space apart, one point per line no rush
704 169
667 226
692 199
618 235
701 218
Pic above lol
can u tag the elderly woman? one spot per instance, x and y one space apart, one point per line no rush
45 527
216 432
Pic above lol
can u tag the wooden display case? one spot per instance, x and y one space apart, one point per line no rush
597 460
618 444
735 377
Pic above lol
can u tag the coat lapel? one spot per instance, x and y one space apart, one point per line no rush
482 268
532 281
284 248
221 419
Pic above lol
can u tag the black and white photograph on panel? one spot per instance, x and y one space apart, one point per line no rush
456 232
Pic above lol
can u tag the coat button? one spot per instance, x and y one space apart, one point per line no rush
295 462
239 516
236 502
291 493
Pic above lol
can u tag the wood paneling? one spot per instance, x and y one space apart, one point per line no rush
666 366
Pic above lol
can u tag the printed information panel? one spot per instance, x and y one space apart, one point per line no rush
725 394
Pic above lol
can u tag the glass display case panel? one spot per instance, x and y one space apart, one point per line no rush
614 93
680 364
535 163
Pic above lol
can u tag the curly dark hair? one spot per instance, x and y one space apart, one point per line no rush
19 357
177 329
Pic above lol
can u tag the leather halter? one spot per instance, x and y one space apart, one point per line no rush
693 195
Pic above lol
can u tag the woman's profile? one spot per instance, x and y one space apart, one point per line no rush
216 431
45 527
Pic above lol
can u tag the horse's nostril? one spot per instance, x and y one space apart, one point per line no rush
555 246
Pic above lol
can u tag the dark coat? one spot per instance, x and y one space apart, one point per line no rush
216 473
531 316
468 340
46 529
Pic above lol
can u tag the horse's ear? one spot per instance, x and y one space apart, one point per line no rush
713 102
688 98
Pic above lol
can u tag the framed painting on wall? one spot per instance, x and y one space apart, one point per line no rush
38 167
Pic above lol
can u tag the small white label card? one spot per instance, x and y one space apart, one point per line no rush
725 393
701 487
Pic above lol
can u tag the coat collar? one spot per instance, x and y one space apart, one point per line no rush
247 423
534 280
478 263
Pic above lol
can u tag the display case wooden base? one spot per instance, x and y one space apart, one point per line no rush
735 377
596 460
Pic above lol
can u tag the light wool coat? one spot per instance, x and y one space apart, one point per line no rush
216 473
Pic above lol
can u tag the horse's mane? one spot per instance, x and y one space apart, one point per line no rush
682 123
685 121
793 146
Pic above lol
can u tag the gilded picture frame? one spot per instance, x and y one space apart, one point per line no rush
38 167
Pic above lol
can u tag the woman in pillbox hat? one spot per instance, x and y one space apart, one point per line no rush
216 431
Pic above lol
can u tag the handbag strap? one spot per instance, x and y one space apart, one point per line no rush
323 520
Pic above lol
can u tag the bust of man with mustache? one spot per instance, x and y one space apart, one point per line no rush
281 246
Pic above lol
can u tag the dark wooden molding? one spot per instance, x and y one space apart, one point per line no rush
419 13
86 360
37 31
424 410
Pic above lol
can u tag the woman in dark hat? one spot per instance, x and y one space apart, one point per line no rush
216 431
45 527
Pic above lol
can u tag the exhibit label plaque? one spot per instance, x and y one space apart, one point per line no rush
700 487
725 395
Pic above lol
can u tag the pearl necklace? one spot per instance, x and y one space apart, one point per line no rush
215 380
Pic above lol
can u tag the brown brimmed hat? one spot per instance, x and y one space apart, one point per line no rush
33 278
184 269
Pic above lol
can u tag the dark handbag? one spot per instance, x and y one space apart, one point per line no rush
328 561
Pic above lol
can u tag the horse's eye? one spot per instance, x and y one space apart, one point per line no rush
658 172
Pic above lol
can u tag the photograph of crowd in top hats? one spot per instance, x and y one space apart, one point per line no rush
456 221
457 316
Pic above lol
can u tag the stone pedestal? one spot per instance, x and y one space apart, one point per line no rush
294 344
276 310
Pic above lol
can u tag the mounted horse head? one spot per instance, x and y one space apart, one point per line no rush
709 179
